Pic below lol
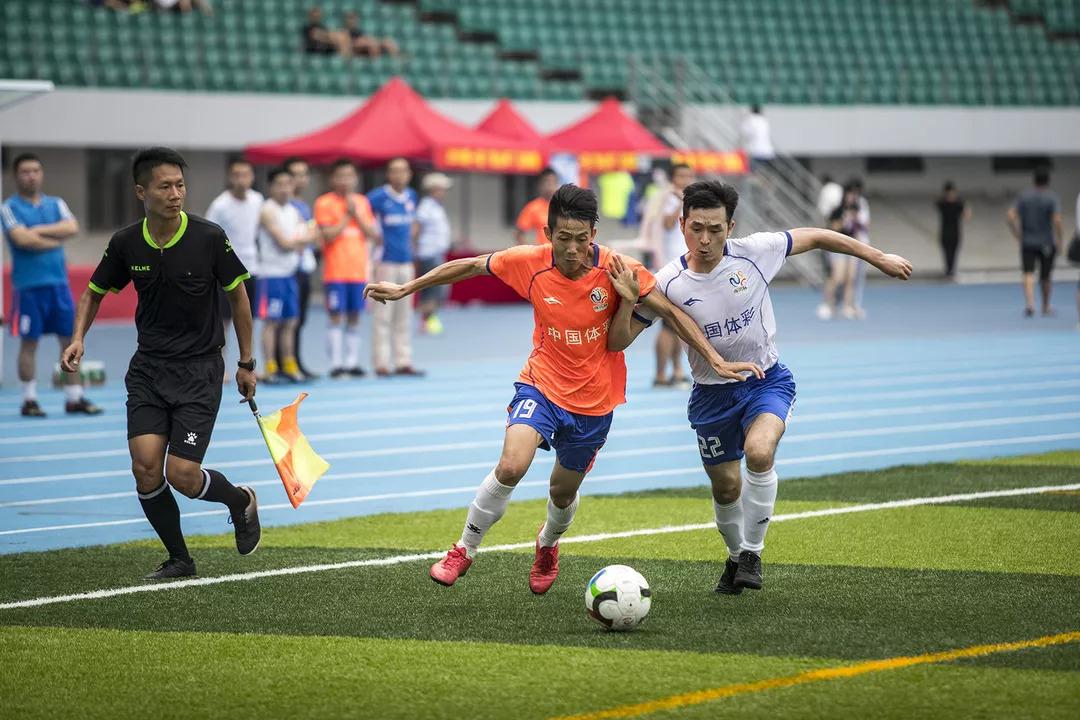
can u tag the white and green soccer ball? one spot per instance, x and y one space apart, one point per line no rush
618 597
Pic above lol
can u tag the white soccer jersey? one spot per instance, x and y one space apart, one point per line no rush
731 304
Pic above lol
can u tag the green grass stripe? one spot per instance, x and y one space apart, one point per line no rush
805 610
1057 458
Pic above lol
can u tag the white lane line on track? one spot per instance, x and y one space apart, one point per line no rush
600 478
788 440
580 539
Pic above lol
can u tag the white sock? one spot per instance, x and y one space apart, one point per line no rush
29 390
335 336
558 522
758 499
73 393
352 347
729 520
487 507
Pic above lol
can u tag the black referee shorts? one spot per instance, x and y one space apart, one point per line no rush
176 398
1045 257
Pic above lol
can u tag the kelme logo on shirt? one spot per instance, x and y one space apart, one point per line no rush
739 281
599 299
140 268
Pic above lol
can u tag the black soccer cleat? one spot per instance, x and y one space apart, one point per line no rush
173 568
246 526
727 585
30 408
338 373
749 573
356 372
82 406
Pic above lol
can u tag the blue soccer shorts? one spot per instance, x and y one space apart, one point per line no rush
721 414
279 298
344 297
575 438
44 310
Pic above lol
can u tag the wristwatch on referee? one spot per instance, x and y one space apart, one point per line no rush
249 365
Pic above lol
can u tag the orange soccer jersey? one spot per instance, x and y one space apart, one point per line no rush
345 258
534 217
570 362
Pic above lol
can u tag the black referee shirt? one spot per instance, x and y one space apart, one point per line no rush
179 311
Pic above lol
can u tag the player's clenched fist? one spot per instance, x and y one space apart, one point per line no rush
383 291
73 353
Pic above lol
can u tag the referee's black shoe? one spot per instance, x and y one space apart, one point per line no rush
749 573
173 568
246 526
727 585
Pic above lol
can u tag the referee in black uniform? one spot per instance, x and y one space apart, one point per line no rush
174 379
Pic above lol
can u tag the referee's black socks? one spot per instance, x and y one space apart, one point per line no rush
217 488
161 510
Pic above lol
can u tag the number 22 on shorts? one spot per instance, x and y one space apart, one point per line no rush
710 447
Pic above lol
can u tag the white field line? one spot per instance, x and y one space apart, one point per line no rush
314 438
598 537
599 478
689 446
799 420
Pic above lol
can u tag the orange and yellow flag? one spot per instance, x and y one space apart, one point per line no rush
297 463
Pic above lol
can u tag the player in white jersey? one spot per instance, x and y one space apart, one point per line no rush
723 284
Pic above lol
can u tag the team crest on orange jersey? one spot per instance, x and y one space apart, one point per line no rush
599 299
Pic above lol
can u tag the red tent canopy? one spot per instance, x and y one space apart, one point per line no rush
397 122
505 121
607 129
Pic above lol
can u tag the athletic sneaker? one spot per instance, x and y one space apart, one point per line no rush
382 372
545 567
357 372
30 408
338 373
409 371
749 572
450 568
173 568
246 526
82 406
727 585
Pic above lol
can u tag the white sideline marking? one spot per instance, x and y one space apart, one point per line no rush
808 460
400 559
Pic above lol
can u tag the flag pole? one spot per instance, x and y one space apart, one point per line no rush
258 420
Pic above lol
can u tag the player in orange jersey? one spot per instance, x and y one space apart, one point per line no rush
533 217
571 382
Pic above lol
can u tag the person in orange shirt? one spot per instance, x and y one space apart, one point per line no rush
346 222
534 216
573 380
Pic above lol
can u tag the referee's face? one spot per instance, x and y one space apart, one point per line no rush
164 195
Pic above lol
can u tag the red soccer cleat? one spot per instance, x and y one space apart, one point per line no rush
545 567
450 568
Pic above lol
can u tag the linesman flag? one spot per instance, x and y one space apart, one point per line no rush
297 463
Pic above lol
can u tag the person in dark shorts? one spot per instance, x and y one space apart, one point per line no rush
953 211
1035 221
174 379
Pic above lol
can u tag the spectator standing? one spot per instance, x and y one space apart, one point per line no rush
363 44
36 226
345 223
757 139
668 346
236 211
841 280
283 235
830 197
859 226
394 207
309 260
1035 221
534 216
432 244
953 211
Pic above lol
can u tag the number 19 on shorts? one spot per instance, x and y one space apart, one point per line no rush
524 410
710 447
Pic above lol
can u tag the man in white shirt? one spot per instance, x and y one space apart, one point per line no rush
757 138
432 244
236 211
668 347
722 283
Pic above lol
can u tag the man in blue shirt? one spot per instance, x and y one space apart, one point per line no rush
394 206
309 259
36 226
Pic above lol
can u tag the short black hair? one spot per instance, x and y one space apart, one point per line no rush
949 185
546 171
340 163
708 194
292 160
572 203
1042 176
275 171
24 157
755 108
854 183
239 160
147 159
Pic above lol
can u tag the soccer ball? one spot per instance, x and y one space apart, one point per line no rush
618 597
